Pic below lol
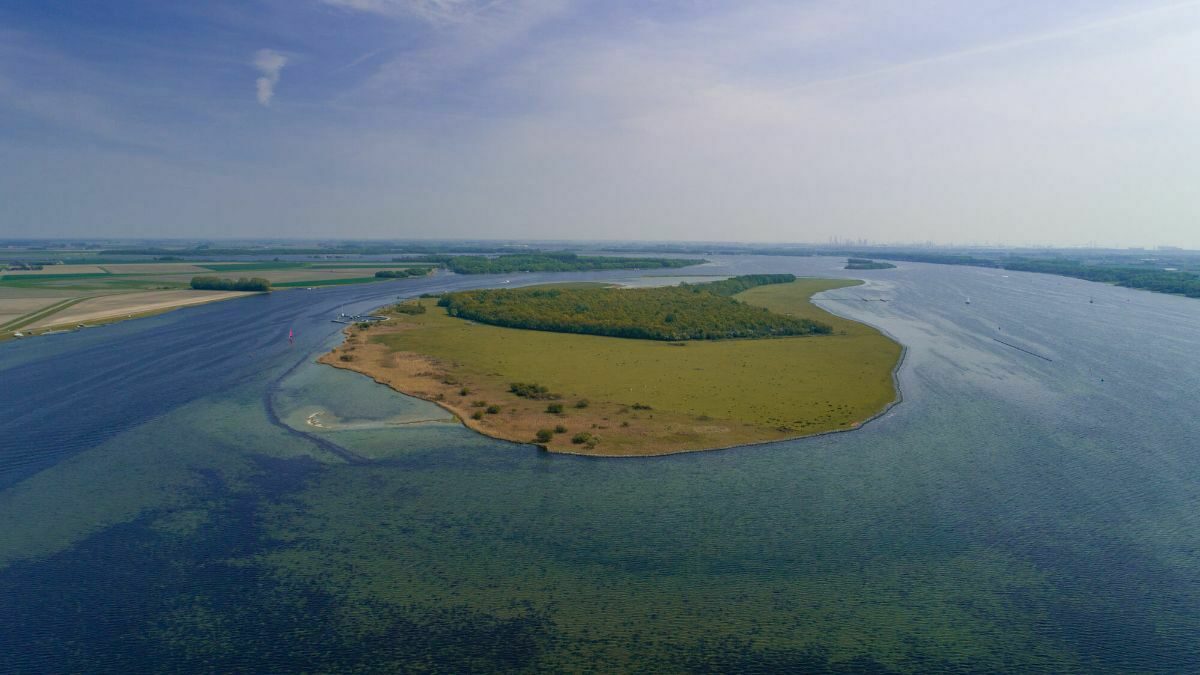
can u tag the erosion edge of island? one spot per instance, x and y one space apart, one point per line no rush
478 423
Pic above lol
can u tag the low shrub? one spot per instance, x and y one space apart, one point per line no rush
530 390
410 308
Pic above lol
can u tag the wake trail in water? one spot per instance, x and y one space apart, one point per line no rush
1020 349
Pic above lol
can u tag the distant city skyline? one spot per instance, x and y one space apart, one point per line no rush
581 244
1069 124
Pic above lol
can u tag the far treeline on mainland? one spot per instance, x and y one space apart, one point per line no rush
593 369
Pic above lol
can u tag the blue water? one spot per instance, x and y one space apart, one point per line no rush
165 505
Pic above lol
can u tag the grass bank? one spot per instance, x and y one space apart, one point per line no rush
643 397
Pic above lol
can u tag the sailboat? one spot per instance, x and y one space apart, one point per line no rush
291 336
968 300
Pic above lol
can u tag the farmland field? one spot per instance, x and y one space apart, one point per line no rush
126 304
36 300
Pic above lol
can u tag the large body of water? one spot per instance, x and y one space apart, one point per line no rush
1033 505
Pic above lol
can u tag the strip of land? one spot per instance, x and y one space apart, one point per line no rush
34 296
610 396
55 297
128 304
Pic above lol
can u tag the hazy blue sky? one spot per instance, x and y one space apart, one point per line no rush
1066 122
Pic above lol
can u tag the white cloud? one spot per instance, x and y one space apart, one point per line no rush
269 63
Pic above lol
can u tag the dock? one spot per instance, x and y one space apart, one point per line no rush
359 318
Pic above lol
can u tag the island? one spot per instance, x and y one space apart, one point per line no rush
597 370
867 264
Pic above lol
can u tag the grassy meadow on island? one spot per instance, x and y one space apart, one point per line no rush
794 369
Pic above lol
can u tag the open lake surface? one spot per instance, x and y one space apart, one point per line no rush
168 503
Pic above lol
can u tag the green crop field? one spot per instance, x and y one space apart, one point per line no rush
799 385
252 266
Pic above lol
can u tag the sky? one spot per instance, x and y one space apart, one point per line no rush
1067 123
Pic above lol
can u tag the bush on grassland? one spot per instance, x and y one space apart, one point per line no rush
256 284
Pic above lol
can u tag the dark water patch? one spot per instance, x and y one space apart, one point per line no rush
134 598
736 656
1121 610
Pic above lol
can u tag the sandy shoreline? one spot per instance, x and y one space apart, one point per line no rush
495 434
517 419
314 421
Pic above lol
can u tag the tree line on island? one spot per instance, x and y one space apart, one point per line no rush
403 273
685 312
867 264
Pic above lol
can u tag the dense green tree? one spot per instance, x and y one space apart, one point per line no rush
1131 276
685 312
243 284
867 264
403 273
